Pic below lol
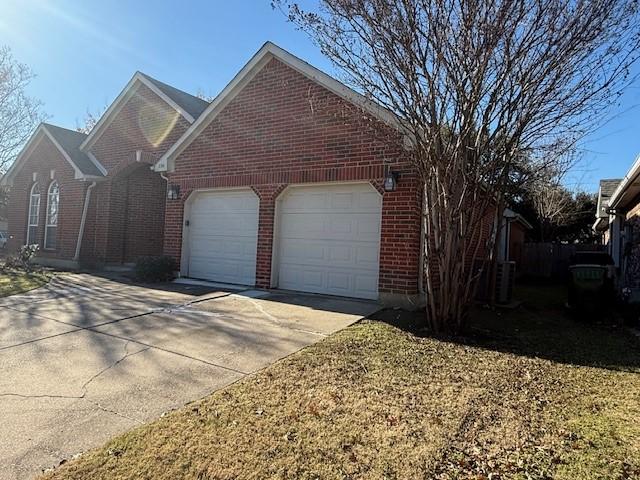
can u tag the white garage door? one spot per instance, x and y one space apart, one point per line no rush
329 240
223 236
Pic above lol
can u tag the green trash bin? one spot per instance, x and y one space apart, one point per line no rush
587 286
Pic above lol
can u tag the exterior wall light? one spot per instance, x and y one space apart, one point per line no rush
173 192
391 181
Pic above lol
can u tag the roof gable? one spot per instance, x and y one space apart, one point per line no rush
187 105
605 191
67 142
70 141
247 73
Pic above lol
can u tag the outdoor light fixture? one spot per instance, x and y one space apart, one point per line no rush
173 193
391 181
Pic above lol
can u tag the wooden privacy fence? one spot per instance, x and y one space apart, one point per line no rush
550 260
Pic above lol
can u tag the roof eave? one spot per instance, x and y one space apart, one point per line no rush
626 186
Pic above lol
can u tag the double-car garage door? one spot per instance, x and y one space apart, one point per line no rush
327 238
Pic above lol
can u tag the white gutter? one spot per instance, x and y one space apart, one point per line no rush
631 175
85 208
594 227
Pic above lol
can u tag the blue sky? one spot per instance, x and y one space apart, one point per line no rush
84 52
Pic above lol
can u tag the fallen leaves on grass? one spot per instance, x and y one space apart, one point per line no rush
375 402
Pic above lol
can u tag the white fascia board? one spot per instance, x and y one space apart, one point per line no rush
98 165
247 73
628 179
121 100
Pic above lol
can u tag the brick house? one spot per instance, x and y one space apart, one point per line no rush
94 198
288 179
618 220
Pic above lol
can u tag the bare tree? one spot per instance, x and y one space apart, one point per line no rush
482 89
202 95
553 205
19 113
90 120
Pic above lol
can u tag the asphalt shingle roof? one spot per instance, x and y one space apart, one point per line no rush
70 141
191 104
607 187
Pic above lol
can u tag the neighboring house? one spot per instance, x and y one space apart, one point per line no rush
512 236
280 182
601 224
622 227
94 198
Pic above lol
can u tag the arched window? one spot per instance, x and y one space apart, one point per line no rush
51 227
34 214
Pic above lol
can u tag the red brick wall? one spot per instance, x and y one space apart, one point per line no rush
145 122
42 160
285 129
516 242
128 218
144 225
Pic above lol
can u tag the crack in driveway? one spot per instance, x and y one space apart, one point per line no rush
84 386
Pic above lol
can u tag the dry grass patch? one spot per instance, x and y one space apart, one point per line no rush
523 397
15 281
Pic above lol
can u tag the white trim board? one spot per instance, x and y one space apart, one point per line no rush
126 93
246 74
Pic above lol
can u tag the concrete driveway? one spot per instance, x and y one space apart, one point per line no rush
86 358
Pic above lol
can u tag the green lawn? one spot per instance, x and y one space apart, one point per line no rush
14 281
528 394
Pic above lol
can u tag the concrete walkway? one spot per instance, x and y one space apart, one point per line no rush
86 358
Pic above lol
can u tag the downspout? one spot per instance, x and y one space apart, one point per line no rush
85 209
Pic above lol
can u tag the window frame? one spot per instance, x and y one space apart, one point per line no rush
30 214
48 225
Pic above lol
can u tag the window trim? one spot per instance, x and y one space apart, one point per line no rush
32 195
47 222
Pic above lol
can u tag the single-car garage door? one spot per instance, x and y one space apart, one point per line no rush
223 236
329 239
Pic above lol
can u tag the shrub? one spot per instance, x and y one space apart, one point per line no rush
155 269
22 259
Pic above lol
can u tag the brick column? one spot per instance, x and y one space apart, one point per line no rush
268 195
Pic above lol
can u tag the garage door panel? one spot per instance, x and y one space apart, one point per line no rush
342 201
223 236
369 201
226 270
237 224
329 240
334 282
207 246
324 226
366 284
367 257
339 254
